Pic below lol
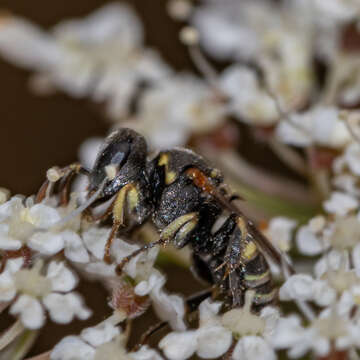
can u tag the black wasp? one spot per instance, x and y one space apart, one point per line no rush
185 197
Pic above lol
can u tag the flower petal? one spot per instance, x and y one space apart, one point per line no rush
62 278
213 341
7 286
145 353
179 345
298 286
43 216
74 247
46 243
253 347
340 203
168 308
100 334
308 243
63 308
71 345
30 311
95 239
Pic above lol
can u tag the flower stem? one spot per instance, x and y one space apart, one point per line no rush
11 334
289 156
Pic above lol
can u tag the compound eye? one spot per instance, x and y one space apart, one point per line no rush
115 153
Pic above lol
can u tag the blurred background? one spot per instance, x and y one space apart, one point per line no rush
39 132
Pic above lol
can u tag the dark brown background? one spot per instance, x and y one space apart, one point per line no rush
39 132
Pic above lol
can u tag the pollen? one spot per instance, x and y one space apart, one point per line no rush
179 9
53 174
189 36
4 195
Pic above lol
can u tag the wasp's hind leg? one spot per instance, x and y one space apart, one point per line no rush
178 231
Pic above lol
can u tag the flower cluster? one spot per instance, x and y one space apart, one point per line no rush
287 79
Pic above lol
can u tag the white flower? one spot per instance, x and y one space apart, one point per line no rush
330 328
138 268
346 183
276 37
31 225
7 285
312 239
249 102
228 30
334 280
340 203
34 290
19 222
320 125
168 308
279 232
214 335
211 340
334 267
338 10
103 341
253 347
304 288
100 56
352 157
174 108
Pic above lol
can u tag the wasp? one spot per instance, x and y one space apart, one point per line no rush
186 199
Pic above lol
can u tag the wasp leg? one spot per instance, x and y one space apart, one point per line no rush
125 202
192 304
67 173
146 247
90 217
67 179
177 230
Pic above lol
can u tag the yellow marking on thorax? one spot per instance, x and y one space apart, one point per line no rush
215 173
170 176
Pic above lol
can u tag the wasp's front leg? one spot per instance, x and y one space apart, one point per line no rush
129 207
65 175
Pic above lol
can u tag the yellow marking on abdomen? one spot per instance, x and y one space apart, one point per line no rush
260 299
249 251
255 280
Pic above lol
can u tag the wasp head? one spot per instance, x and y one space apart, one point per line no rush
124 152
